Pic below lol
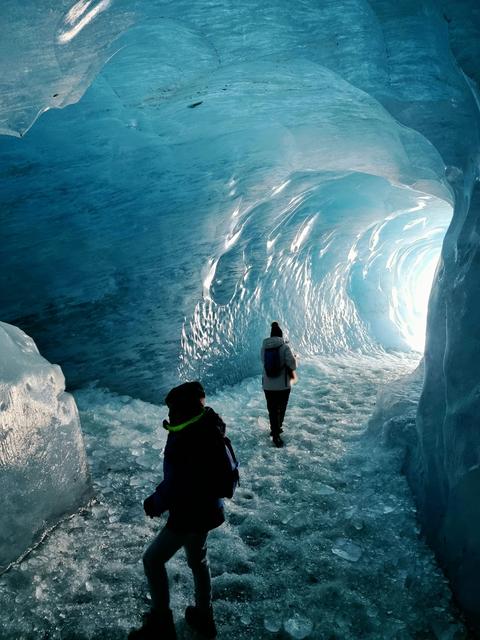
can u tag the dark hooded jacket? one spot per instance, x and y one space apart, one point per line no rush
187 491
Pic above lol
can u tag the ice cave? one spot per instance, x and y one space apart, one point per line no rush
174 175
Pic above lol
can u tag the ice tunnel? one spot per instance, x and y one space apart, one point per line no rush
270 182
175 173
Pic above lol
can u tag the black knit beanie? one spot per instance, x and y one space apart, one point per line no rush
188 393
276 331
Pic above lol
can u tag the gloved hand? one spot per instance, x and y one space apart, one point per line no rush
149 506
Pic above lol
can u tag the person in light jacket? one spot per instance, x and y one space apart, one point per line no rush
277 387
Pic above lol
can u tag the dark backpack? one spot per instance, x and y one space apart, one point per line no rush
272 362
228 478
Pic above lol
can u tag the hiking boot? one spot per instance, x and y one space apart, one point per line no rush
155 627
201 621
277 441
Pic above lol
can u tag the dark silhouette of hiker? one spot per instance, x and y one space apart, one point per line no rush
278 366
195 440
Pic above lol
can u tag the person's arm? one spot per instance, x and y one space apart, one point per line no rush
154 506
159 502
168 490
290 359
262 354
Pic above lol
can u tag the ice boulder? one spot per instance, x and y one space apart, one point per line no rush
43 468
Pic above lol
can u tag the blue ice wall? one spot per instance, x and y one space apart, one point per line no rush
444 467
225 167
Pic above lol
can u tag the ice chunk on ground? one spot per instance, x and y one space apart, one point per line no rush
272 623
347 550
43 469
324 489
298 627
246 619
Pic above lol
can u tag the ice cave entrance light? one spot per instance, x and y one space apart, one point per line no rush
409 305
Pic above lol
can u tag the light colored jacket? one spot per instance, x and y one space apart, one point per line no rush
286 358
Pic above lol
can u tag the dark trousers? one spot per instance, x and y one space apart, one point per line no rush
166 545
277 405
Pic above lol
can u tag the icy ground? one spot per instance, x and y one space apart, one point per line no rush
321 539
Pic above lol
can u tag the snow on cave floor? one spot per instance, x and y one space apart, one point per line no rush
321 539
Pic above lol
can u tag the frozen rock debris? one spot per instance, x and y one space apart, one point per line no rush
43 469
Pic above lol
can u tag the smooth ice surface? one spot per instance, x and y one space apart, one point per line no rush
43 468
272 562
49 53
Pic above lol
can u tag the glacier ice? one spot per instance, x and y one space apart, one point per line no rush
49 53
232 210
298 627
347 549
43 468
230 162
272 623
445 468
269 575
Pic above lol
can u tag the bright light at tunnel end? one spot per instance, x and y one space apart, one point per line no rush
409 304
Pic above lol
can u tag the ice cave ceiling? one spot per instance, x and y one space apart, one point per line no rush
221 164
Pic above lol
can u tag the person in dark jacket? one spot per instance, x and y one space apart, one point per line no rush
277 388
187 492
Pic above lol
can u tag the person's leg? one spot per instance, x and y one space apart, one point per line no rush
272 406
196 550
158 623
200 617
283 397
163 547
